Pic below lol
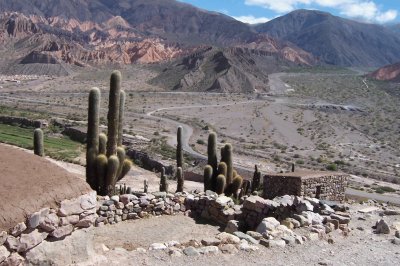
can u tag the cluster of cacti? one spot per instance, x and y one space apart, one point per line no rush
38 147
221 177
124 189
163 181
256 179
106 161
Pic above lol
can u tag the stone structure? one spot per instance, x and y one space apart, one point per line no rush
320 185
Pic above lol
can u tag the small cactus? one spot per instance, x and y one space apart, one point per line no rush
126 167
234 186
163 181
222 169
179 151
128 190
221 183
256 179
145 186
38 146
180 179
293 167
121 157
208 176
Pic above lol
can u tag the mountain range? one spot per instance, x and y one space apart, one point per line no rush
64 35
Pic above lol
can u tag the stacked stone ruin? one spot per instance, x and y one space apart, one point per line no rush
322 185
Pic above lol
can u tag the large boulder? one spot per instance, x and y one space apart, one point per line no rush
267 224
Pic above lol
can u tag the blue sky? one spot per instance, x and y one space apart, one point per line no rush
258 11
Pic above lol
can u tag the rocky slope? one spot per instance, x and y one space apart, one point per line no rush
237 69
336 40
390 72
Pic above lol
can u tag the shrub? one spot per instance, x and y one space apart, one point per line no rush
332 167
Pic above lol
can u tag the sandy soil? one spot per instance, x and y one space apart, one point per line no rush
29 183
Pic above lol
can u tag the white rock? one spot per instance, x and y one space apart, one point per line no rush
115 198
28 241
244 245
208 250
267 224
382 227
172 243
37 217
223 200
87 221
78 205
12 242
62 231
227 238
18 229
14 260
4 253
50 222
157 246
232 226
3 237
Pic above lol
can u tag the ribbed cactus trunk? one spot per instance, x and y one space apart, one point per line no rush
221 184
180 179
121 117
179 151
113 113
208 178
212 158
38 146
92 137
256 179
229 163
163 181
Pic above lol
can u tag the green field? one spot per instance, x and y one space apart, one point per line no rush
58 148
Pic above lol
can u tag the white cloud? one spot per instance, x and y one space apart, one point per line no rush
251 19
387 16
366 10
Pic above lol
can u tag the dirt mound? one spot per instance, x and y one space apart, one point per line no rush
29 183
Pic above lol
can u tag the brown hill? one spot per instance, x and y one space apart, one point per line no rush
390 73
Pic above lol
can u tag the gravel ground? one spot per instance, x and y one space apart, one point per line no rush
361 247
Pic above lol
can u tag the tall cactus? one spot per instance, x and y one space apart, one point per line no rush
92 137
208 178
180 179
163 181
256 179
106 161
38 146
229 163
113 113
121 117
179 151
212 152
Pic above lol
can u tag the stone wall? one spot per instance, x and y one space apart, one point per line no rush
322 185
332 187
274 186
11 120
47 224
